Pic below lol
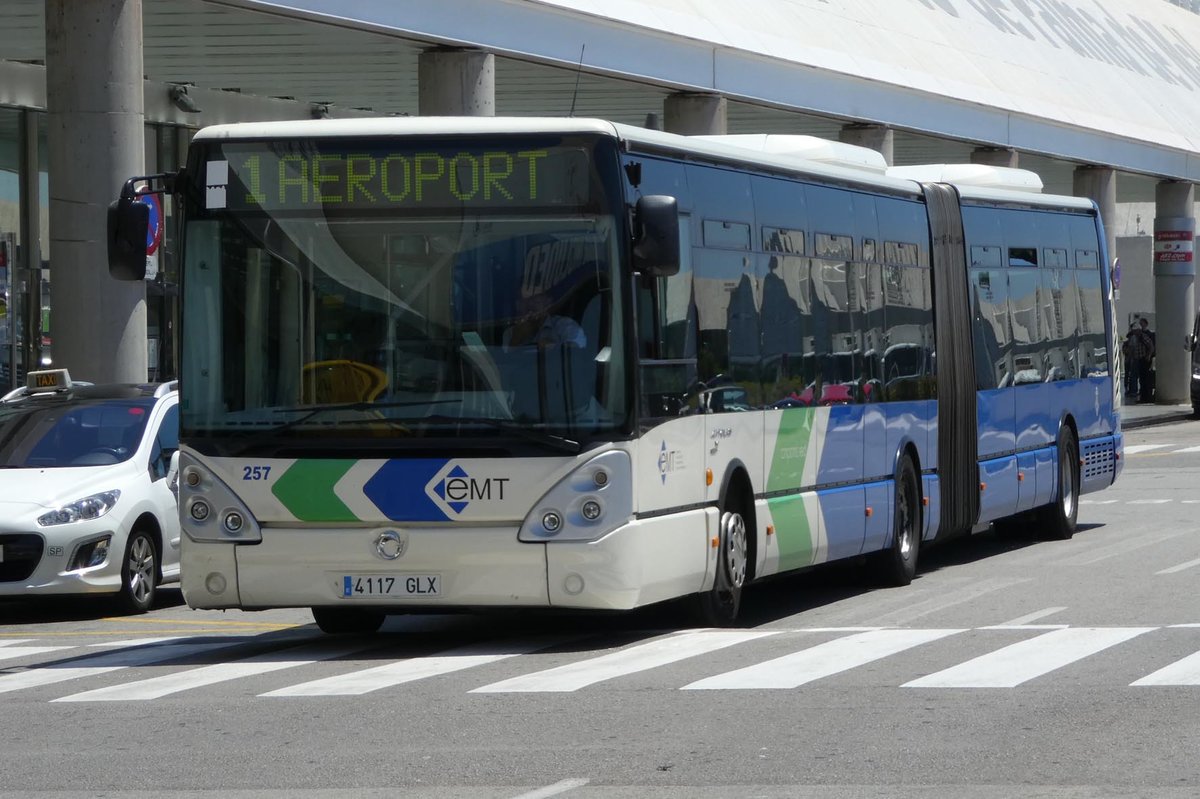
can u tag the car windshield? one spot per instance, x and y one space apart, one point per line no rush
55 433
397 317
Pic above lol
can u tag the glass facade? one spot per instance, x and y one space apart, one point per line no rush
12 156
26 306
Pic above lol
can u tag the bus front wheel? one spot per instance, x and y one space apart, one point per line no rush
1057 520
718 606
344 621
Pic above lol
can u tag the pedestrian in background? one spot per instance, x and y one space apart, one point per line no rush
1144 347
1130 361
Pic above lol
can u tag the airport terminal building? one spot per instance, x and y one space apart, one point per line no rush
1098 97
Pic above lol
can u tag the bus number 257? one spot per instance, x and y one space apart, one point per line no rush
255 472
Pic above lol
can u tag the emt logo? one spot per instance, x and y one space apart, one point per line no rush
452 489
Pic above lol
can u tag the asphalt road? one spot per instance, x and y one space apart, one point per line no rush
1009 668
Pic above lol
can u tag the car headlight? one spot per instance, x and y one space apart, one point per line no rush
92 507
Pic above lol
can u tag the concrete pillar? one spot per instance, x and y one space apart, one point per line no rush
95 120
456 82
996 156
1174 282
696 114
1099 183
880 138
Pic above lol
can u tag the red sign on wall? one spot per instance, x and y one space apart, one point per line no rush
1173 246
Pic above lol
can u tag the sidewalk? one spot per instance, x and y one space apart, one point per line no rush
1135 416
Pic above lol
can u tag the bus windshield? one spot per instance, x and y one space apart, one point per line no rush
403 302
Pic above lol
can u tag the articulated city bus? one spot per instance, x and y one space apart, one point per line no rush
563 363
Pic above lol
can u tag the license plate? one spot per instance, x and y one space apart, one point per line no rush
391 585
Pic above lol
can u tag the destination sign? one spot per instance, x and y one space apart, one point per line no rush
302 175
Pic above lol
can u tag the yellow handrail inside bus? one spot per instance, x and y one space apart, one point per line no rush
342 381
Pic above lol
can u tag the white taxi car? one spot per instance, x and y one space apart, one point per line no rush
87 491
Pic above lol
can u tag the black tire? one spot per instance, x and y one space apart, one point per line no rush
1056 521
897 565
348 621
139 573
1195 410
718 606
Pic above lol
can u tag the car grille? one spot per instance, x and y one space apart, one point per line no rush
21 555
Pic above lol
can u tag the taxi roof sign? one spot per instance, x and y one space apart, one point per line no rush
48 380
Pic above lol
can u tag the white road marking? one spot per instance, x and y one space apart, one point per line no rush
1148 501
1098 501
93 665
157 687
14 641
1098 554
389 674
1185 449
10 652
673 648
1181 672
971 590
1030 617
1180 567
562 786
1023 661
132 642
821 660
1134 449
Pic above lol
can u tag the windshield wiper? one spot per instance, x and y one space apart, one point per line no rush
311 411
560 443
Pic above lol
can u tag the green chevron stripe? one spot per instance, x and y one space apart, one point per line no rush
306 490
795 540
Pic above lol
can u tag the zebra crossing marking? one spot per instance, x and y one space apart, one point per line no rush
822 660
1054 648
11 652
396 673
1182 672
136 655
158 687
1021 662
640 657
1135 449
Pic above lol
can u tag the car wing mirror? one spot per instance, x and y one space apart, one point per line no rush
173 472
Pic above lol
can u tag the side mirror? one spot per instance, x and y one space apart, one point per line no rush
1189 342
656 249
173 474
128 221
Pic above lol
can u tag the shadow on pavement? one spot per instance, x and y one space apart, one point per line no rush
49 610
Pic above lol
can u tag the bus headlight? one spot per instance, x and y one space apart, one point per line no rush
587 504
212 511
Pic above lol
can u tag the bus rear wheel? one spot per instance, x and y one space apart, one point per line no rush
897 565
1057 520
347 621
718 606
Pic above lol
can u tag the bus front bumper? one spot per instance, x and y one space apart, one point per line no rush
641 562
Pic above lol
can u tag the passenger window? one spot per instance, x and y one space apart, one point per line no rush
726 235
1022 256
985 257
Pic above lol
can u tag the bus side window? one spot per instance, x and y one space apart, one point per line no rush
667 332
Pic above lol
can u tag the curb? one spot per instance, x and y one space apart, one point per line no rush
1149 421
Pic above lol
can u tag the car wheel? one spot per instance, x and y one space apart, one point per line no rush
139 573
345 621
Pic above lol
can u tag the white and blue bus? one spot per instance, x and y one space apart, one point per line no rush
563 363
